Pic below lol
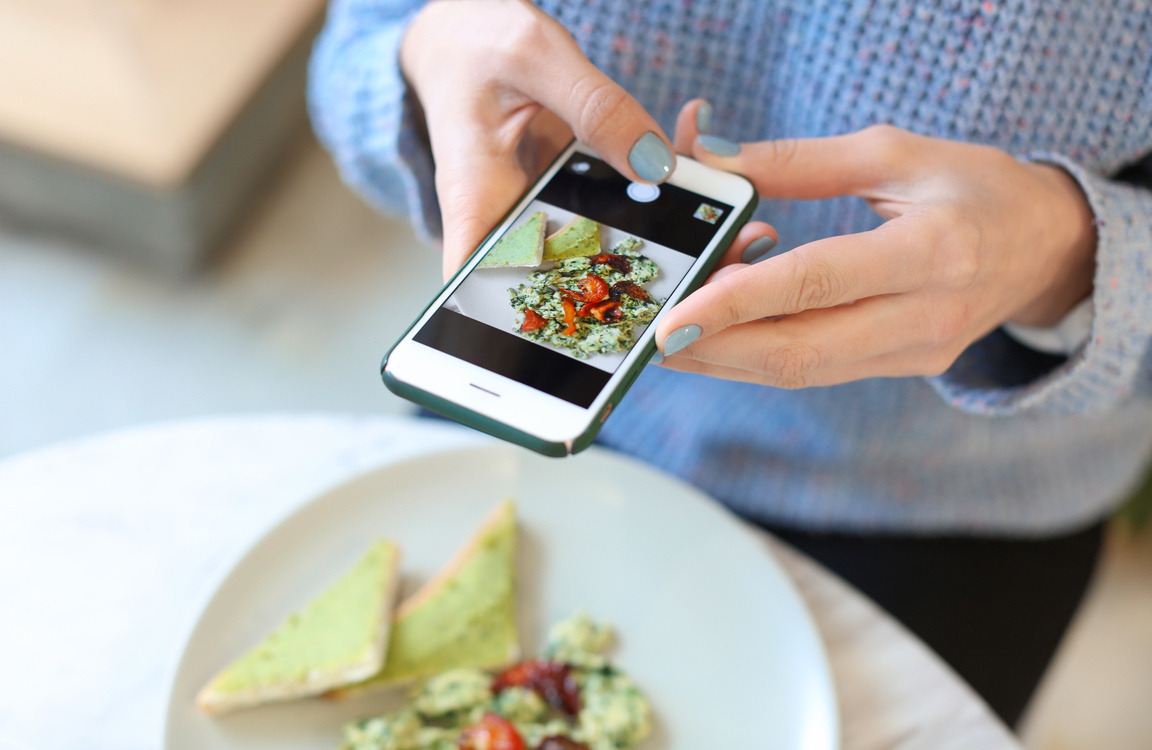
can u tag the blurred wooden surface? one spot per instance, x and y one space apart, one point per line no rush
137 88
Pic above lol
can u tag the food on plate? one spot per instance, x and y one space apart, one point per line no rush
340 637
571 698
464 617
579 237
522 247
590 304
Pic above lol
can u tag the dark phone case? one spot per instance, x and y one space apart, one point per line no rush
519 437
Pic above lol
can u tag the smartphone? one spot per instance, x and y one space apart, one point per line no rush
548 323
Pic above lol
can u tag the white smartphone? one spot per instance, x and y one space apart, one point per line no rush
547 324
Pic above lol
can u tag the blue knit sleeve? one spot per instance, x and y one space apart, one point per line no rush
1115 361
365 115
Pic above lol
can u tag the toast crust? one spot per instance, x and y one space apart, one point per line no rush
497 516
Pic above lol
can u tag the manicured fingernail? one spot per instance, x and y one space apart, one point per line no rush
718 146
704 118
657 358
651 159
680 338
757 249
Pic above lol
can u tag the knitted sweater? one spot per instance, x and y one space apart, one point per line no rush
1008 441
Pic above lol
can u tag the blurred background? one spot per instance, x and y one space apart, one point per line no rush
174 243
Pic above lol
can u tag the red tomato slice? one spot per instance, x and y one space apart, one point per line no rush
569 316
492 732
532 321
551 680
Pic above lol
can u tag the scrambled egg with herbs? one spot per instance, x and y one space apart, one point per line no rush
446 711
590 304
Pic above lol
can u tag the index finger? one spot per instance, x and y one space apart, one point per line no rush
858 163
824 273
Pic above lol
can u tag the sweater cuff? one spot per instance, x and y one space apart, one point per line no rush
1111 365
365 114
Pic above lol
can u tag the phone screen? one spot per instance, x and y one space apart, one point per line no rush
564 325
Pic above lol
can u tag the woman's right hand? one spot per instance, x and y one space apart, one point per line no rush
503 87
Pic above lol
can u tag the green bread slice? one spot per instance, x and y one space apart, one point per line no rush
464 617
339 638
577 238
522 247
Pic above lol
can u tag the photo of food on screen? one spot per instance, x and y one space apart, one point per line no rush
572 284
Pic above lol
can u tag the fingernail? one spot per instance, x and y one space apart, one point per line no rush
651 159
680 338
704 118
757 249
718 146
656 358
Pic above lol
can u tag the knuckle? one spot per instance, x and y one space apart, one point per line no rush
885 141
524 40
814 285
945 324
598 103
790 365
957 242
784 152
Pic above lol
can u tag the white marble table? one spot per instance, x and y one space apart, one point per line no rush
107 546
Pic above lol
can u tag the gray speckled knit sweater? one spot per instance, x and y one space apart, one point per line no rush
1007 441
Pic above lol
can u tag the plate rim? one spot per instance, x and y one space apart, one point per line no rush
229 566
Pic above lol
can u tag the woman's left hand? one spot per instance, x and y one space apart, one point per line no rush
973 238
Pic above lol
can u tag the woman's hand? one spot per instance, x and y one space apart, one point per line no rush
973 238
503 88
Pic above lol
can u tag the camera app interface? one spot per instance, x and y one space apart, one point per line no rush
559 300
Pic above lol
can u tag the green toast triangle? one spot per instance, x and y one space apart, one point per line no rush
577 238
464 617
522 247
338 638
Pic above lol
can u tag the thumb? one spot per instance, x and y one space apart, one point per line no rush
475 191
858 163
602 115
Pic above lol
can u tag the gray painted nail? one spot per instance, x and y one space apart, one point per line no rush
757 249
704 118
718 146
681 338
651 159
657 358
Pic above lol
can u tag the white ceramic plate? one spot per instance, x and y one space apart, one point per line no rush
708 624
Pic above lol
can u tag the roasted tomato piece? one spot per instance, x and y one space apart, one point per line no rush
492 732
631 288
560 743
551 680
569 316
532 321
606 312
618 262
592 289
